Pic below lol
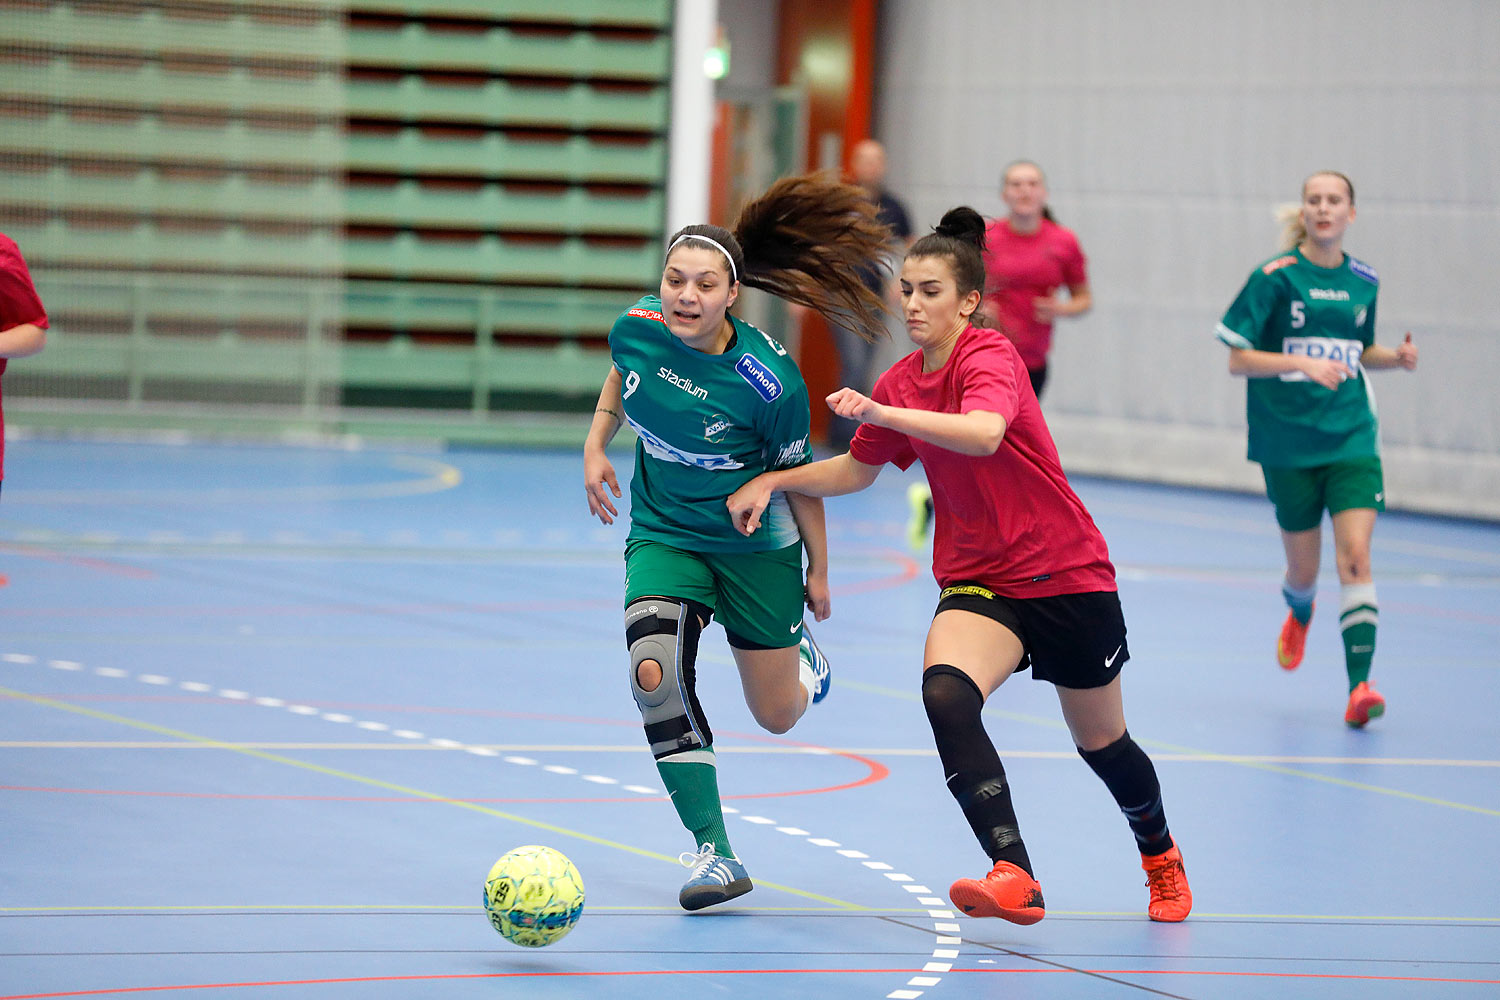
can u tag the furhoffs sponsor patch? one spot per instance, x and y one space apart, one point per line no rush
759 377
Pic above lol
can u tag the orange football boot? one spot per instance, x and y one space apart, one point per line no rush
1171 899
1291 641
1365 703
1006 892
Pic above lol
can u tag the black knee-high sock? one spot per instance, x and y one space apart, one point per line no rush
975 775
1131 778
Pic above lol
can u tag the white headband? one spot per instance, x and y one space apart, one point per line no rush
733 274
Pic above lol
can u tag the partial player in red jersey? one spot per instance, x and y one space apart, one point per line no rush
23 321
1025 574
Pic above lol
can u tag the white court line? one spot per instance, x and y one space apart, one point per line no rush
559 769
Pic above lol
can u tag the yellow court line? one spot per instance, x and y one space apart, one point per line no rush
315 908
1196 754
387 786
435 476
1301 917
729 748
1247 526
338 908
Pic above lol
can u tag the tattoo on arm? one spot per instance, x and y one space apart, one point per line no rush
604 409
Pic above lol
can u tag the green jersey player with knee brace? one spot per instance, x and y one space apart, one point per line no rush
714 402
1302 331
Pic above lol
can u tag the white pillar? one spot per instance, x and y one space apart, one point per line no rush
690 131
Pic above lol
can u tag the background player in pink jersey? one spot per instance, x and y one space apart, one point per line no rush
1028 259
1025 574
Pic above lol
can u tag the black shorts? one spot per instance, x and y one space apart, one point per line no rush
1071 640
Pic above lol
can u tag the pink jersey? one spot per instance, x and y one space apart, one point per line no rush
1009 521
18 304
1020 268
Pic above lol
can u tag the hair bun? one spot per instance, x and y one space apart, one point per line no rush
962 223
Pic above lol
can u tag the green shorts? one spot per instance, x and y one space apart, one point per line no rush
757 596
1301 495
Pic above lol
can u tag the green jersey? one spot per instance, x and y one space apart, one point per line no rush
707 424
1290 305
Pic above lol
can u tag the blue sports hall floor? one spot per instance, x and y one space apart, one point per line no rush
269 712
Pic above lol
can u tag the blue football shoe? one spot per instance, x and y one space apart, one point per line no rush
714 880
817 663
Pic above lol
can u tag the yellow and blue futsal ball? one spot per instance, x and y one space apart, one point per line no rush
534 896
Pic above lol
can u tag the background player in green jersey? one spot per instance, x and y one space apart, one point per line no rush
714 402
1302 331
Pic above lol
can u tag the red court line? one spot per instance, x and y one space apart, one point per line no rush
908 571
878 772
87 562
304 610
442 977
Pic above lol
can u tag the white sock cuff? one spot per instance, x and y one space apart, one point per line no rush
1354 595
702 755
805 675
1303 596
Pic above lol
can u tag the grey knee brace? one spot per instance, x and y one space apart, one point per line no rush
667 631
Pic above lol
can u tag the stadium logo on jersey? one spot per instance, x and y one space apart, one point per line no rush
759 377
685 384
1273 266
656 447
1347 351
646 314
1364 270
715 427
791 454
1328 294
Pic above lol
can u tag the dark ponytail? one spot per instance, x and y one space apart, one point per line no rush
808 239
960 238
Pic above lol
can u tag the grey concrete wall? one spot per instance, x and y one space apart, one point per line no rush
1170 130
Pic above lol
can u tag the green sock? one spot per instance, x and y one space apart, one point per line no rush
692 780
1359 616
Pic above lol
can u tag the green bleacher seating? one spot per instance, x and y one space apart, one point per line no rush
151 30
500 103
607 13
578 53
147 191
214 194
492 206
569 261
149 136
148 83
